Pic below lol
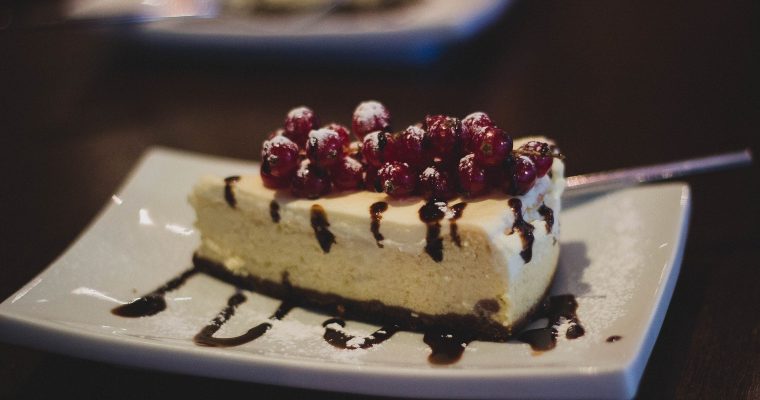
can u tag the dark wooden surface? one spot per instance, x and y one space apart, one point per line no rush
618 84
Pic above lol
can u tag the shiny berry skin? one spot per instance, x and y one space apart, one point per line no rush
370 116
298 123
397 179
324 147
442 135
270 181
471 124
435 184
347 174
310 181
472 177
377 148
281 155
409 147
345 136
540 155
491 146
524 175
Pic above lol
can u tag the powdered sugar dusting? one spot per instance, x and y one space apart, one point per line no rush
372 140
467 162
321 135
299 112
368 110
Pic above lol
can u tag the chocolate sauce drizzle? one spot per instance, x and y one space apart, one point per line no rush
447 346
376 211
457 210
548 215
614 338
229 194
206 336
153 302
431 214
525 229
554 309
274 211
319 222
341 340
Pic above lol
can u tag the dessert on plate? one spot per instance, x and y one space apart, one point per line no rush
448 223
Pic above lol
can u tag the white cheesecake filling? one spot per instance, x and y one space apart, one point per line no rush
487 266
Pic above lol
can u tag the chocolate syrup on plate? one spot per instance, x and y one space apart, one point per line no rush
614 338
376 211
274 211
342 340
447 346
153 302
555 308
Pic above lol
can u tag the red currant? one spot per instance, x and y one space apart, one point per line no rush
435 184
491 146
442 135
377 148
471 124
397 179
409 147
370 116
540 154
298 123
347 174
524 175
270 180
281 154
324 147
342 131
472 176
310 181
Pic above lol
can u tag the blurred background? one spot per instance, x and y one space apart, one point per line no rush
88 86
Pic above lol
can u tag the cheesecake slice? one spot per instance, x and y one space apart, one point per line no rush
478 265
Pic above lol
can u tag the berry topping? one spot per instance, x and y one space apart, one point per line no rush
397 179
370 116
372 179
377 148
435 184
310 181
281 155
298 123
408 147
345 137
471 124
524 174
270 180
541 155
442 135
491 146
324 147
472 177
347 174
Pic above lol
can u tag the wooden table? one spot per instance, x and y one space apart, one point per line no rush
618 84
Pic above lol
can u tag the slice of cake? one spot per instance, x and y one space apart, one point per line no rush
468 260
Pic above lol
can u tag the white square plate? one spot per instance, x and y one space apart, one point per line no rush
620 257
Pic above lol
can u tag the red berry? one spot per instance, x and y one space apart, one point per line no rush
298 123
409 147
435 184
397 179
491 146
347 174
443 135
471 124
472 176
270 180
281 154
370 116
324 147
524 175
377 148
345 137
541 155
310 181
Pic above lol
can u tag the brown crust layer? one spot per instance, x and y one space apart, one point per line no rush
481 328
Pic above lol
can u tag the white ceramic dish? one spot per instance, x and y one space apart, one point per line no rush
620 256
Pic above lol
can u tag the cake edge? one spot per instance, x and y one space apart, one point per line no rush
371 311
